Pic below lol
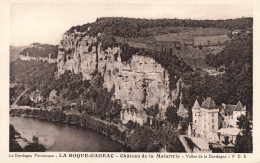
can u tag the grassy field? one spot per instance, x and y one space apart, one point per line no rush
206 32
211 40
187 36
137 44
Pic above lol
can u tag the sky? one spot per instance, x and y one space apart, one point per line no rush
45 23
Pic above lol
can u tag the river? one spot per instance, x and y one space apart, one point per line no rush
67 138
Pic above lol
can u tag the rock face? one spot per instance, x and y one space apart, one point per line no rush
140 82
28 58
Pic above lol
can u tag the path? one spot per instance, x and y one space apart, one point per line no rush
121 128
18 98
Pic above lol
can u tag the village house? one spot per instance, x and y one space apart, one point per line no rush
213 123
53 95
230 113
236 32
36 96
139 117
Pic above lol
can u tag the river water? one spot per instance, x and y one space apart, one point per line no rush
67 138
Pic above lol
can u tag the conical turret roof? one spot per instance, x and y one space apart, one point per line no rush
239 107
196 105
209 104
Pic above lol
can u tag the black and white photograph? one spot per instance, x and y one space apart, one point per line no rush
131 77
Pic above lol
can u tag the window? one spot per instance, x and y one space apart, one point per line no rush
224 124
205 120
212 115
212 127
204 126
212 120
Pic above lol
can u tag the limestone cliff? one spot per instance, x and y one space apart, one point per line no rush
140 82
28 58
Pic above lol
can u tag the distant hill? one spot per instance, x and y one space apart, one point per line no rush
41 50
130 27
15 51
173 36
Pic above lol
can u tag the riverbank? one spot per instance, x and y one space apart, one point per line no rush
24 142
139 138
104 127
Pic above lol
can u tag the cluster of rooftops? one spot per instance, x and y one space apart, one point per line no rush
209 104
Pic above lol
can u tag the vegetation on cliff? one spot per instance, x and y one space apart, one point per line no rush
171 63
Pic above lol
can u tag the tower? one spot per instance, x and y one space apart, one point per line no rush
195 112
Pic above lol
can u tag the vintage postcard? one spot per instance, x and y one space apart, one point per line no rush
130 80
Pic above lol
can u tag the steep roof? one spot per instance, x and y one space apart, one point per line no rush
239 107
196 105
229 109
209 104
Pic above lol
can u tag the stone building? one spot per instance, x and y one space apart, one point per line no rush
212 122
53 95
139 117
230 113
36 96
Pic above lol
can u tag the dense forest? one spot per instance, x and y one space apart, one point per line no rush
234 85
131 27
34 74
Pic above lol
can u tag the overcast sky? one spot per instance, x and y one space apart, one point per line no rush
45 23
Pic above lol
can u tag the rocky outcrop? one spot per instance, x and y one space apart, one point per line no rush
139 82
29 58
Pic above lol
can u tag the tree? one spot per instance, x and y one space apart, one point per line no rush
226 141
25 101
244 141
11 132
148 120
13 145
171 115
34 147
